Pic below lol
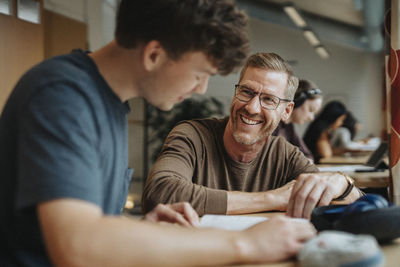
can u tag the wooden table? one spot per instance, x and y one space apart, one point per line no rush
391 251
379 179
371 179
353 159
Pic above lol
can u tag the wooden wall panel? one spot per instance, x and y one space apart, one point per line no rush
21 47
62 34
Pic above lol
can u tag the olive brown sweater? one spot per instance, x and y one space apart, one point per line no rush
194 166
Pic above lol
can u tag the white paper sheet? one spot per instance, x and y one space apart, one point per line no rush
230 222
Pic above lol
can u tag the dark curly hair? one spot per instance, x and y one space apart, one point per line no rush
215 27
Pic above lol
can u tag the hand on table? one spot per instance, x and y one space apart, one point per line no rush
312 189
277 239
180 213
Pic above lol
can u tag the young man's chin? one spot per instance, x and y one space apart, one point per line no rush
166 106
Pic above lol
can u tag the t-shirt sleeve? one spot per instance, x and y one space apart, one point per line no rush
170 179
56 152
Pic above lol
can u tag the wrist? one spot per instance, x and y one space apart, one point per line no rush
349 186
242 247
274 200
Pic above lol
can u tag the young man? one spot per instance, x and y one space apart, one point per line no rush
64 150
234 165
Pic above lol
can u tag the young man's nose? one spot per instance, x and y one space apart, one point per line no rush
201 88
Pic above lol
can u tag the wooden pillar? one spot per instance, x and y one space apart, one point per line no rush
21 47
394 98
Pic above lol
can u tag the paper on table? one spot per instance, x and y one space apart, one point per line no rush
346 168
230 222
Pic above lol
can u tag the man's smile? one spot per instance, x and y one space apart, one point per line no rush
249 121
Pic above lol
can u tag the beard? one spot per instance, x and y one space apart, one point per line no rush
251 138
246 139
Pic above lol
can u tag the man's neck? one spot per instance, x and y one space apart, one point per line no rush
119 67
240 152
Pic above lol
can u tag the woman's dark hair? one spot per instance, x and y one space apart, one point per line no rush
306 90
326 118
216 28
350 123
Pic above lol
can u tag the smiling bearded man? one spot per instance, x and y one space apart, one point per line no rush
250 122
234 165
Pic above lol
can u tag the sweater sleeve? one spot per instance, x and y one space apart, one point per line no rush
170 179
298 163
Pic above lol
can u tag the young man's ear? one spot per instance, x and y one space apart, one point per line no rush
287 111
154 55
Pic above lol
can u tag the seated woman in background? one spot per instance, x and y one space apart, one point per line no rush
318 132
307 102
343 138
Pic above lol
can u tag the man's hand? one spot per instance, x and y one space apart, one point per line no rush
181 213
312 189
277 239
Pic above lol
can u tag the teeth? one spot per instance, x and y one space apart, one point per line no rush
248 121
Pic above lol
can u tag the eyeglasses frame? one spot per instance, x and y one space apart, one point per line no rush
259 97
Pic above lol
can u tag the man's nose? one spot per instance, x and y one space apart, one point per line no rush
253 106
202 87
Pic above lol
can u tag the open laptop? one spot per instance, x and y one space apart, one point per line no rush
374 163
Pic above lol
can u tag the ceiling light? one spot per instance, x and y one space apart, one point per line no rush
322 52
294 15
311 37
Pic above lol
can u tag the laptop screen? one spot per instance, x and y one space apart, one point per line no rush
378 155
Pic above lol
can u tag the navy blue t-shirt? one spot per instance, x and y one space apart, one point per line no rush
63 134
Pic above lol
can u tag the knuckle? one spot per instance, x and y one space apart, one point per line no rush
313 198
160 206
326 183
324 202
301 196
330 187
291 246
301 177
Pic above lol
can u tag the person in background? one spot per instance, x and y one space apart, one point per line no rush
318 132
234 165
64 149
307 102
343 139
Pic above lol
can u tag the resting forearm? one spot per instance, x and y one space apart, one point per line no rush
171 189
115 241
244 202
165 189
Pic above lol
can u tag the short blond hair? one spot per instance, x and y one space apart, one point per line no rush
272 61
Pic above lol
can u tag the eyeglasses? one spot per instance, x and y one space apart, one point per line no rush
267 101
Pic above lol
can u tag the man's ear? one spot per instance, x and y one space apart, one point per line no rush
154 55
287 111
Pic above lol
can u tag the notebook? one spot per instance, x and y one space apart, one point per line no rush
374 163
